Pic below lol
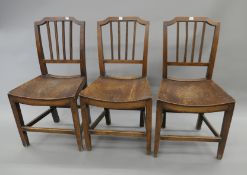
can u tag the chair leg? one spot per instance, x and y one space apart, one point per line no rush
142 117
76 122
224 130
148 124
85 122
19 121
199 121
54 114
157 129
164 120
89 116
107 116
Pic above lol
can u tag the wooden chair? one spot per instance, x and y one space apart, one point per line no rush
52 90
119 92
192 96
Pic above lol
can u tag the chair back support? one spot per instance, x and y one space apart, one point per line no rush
56 40
129 48
183 58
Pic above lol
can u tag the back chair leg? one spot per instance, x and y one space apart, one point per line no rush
224 130
19 121
199 121
107 116
142 117
164 120
89 116
157 129
148 124
76 121
54 114
85 121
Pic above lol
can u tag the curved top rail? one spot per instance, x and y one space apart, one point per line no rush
119 18
192 19
54 19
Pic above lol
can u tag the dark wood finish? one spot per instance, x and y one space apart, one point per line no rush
142 117
177 43
126 40
127 90
56 36
52 90
121 93
202 40
96 122
107 116
41 116
190 138
186 42
111 35
194 42
185 61
134 41
109 21
49 39
193 96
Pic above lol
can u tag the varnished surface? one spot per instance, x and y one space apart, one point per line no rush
49 87
193 93
118 90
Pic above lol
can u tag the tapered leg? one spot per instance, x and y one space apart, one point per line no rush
85 121
199 121
142 116
224 130
54 114
164 119
148 124
107 116
19 121
157 129
76 122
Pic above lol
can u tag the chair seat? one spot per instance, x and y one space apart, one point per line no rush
118 90
193 93
49 87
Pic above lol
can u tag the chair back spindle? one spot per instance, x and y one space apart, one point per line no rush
195 59
60 56
122 55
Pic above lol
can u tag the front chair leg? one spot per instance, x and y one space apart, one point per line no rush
148 124
224 130
107 116
199 121
54 114
85 122
76 122
142 117
157 129
19 121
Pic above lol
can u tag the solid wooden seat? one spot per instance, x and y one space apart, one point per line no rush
193 93
118 90
52 90
198 96
49 87
120 93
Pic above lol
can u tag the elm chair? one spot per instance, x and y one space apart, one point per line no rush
198 96
55 91
120 93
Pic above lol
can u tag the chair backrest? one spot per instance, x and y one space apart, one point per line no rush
124 58
61 56
182 59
